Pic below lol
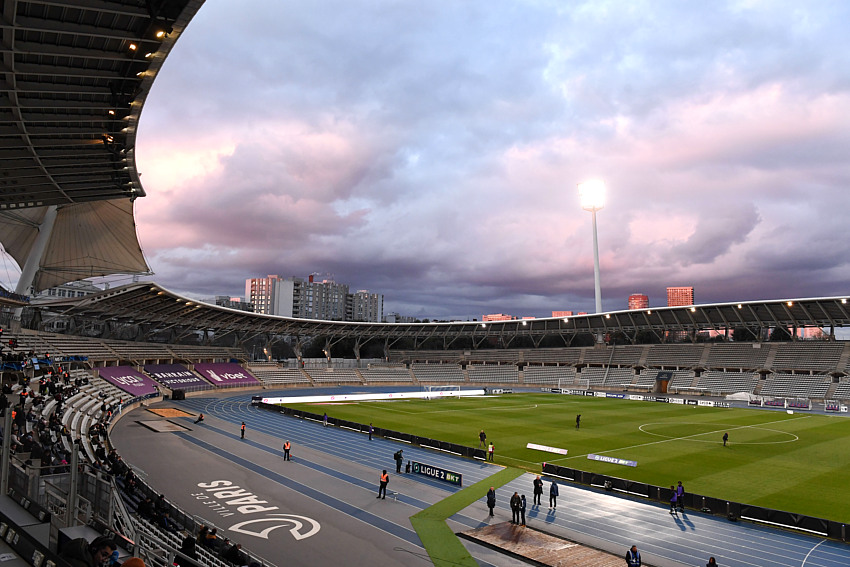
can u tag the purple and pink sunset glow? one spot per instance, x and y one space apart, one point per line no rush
430 151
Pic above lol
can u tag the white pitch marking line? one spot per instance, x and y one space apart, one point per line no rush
690 436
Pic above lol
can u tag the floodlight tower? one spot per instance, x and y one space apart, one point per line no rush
592 195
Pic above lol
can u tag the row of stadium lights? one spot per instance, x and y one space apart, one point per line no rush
133 47
692 309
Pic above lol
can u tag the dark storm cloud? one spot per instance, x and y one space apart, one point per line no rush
431 151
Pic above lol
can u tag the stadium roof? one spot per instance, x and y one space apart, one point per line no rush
73 79
148 303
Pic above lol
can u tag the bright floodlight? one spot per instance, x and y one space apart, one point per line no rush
592 194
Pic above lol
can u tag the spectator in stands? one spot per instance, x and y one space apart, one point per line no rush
145 508
234 554
166 523
211 539
711 562
133 562
187 548
80 553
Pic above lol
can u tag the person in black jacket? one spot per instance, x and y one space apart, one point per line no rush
491 499
538 491
80 553
515 504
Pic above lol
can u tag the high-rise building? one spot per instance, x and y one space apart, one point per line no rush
562 313
312 299
680 296
638 301
264 294
365 306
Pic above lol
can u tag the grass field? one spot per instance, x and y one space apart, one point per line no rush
797 463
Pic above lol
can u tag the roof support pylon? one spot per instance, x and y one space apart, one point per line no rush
33 263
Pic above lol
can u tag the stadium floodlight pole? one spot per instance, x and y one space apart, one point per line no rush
592 195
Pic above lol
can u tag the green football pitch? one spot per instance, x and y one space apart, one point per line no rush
796 462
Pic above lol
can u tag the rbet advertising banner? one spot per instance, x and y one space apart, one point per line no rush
128 379
225 374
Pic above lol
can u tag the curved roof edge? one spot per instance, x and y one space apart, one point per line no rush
147 302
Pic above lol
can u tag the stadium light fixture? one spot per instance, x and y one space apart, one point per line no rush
133 47
592 196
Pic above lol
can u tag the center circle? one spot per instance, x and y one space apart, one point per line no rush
713 433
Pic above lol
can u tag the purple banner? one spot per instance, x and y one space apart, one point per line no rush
225 374
176 376
128 379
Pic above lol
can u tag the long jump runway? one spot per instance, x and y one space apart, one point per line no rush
321 509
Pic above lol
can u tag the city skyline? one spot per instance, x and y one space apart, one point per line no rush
433 152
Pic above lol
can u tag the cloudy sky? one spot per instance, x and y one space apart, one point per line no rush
430 151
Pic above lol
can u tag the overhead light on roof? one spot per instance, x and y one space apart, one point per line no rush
566 319
110 112
484 325
790 304
649 312
140 73
524 323
160 34
149 54
843 301
740 306
607 315
693 309
133 47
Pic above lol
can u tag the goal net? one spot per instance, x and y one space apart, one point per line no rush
435 391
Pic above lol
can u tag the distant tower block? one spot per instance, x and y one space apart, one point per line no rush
680 296
638 301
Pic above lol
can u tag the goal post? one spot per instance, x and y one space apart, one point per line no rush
434 391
